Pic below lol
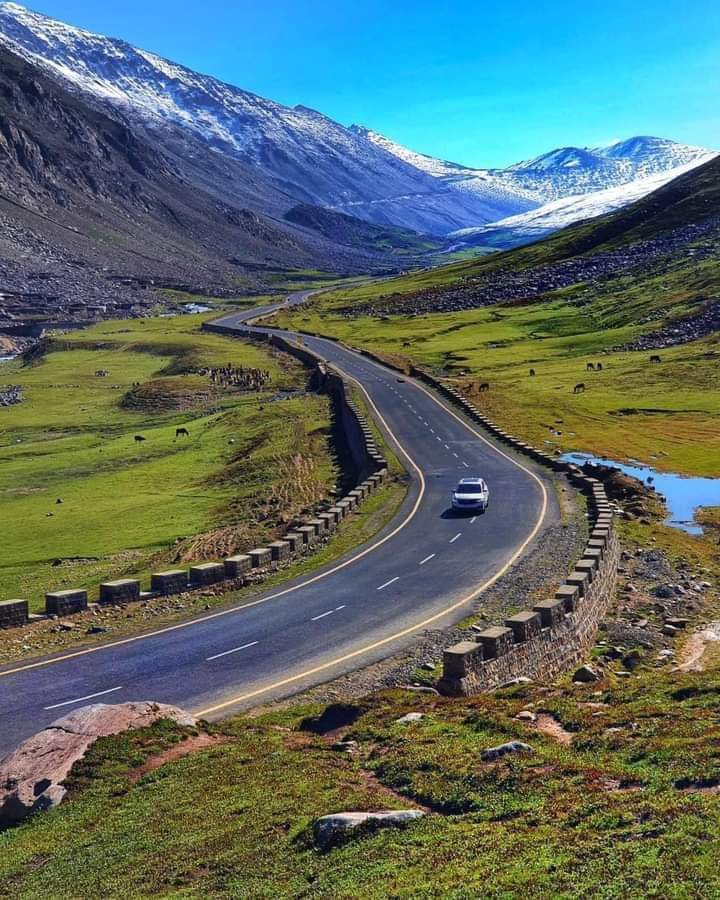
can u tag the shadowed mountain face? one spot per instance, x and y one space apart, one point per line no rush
298 152
92 213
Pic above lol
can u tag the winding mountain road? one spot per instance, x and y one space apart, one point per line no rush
422 571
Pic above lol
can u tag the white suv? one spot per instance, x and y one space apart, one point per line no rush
472 494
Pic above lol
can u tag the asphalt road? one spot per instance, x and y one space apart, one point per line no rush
422 571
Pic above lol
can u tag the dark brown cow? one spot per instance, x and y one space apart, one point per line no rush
485 386
579 388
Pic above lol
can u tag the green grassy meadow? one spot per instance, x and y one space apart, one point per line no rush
125 506
667 414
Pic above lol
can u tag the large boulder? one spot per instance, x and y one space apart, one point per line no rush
331 831
31 777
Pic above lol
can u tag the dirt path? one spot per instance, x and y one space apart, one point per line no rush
184 748
694 648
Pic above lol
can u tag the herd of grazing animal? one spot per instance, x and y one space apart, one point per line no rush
245 378
179 432
580 387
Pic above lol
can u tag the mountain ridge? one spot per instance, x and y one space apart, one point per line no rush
272 158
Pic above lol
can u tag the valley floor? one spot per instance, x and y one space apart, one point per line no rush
83 501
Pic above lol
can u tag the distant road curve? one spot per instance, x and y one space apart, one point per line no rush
422 571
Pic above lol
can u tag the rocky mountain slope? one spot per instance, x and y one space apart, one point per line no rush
243 150
299 151
92 215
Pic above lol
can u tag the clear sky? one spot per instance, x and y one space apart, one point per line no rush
480 83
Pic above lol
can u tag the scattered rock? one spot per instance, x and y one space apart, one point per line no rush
526 715
409 718
345 746
490 754
333 830
585 675
31 777
677 622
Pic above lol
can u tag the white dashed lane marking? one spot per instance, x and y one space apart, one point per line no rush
234 650
388 583
427 559
458 535
86 697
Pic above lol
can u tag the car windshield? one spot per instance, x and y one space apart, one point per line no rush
469 489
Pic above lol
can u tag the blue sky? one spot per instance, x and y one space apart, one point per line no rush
477 82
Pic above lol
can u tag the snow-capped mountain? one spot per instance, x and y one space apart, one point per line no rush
555 185
557 214
573 170
306 154
282 156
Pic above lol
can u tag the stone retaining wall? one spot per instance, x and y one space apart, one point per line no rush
541 642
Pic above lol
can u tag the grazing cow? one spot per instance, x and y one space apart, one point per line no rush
485 386
579 388
407 344
590 367
599 367
139 439
655 358
181 432
532 373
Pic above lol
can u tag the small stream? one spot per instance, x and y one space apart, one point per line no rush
683 494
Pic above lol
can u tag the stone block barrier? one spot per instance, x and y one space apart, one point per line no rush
65 603
168 583
14 613
125 590
205 574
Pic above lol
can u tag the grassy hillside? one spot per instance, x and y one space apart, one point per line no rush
251 460
667 414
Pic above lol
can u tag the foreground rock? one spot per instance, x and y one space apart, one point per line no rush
330 831
585 675
490 754
31 777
